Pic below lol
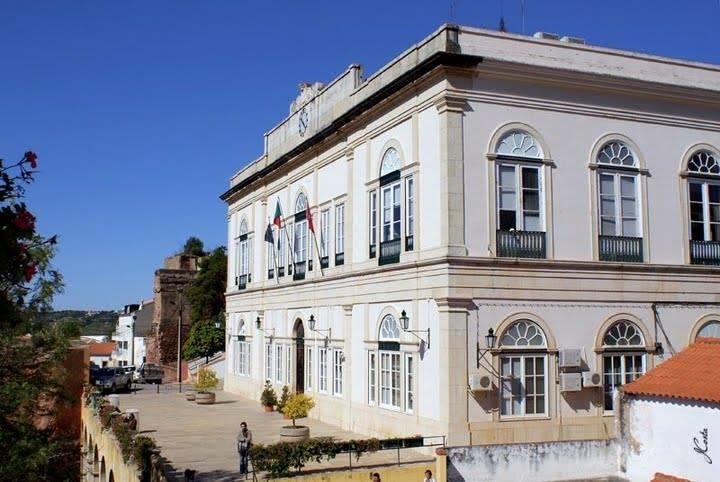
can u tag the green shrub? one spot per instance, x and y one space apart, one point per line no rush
284 397
207 380
298 405
268 397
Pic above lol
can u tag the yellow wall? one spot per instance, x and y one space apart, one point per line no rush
404 473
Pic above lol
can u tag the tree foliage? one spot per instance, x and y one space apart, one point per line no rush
33 389
194 246
206 293
204 339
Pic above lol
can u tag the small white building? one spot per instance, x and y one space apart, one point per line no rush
671 419
133 327
101 353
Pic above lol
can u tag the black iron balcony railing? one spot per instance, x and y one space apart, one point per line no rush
271 273
339 259
310 264
409 243
373 251
705 252
389 252
281 271
242 281
624 249
520 244
300 267
324 262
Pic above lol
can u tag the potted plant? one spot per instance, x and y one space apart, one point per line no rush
284 397
297 406
268 399
206 382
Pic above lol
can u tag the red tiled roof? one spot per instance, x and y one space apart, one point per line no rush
667 478
692 374
100 349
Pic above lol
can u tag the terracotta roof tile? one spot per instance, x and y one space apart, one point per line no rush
692 374
100 349
667 478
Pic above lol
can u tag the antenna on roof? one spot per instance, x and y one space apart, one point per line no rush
522 14
502 27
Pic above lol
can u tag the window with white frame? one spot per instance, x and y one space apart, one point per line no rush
323 366
308 368
704 190
279 350
242 352
268 361
519 180
390 371
325 233
340 229
711 329
409 213
409 382
288 364
270 247
301 229
373 223
282 251
618 191
337 372
390 198
244 256
523 370
372 377
623 358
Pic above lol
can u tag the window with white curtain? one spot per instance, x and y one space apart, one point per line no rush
373 222
372 377
409 212
337 372
323 365
711 329
340 229
523 369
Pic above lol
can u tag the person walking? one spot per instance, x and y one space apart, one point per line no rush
376 477
244 441
428 477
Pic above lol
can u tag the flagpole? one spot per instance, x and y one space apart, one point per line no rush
318 252
274 251
290 246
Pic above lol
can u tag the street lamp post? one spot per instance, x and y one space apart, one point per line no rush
179 339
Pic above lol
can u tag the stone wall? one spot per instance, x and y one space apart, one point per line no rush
581 460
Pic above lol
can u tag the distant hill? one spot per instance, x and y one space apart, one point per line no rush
91 322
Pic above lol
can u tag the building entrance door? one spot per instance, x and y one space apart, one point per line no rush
299 357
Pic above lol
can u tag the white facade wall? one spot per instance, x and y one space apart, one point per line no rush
666 436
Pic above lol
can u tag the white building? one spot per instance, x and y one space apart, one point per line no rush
132 328
563 195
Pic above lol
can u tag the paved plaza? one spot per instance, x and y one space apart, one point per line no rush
202 437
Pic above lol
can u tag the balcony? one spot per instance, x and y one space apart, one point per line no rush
242 281
300 268
339 259
705 252
622 249
409 243
324 262
373 251
281 271
271 273
521 244
389 252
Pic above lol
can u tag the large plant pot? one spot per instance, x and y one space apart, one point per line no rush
190 396
205 398
294 434
268 408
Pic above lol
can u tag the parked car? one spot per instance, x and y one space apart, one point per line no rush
149 373
113 379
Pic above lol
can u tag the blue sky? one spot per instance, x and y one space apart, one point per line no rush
140 111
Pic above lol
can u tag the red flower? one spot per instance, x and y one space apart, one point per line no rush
31 157
24 220
30 271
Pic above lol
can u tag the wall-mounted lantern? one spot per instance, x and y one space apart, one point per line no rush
405 324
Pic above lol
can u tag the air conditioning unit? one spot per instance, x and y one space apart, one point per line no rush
570 357
480 382
592 379
570 382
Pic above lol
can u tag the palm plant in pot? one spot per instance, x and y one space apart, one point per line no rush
205 385
297 406
268 398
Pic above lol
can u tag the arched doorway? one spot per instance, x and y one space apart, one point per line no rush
299 332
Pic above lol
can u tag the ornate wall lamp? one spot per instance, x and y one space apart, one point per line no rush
490 340
311 324
405 323
270 333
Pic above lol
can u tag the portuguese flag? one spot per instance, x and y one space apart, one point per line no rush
277 219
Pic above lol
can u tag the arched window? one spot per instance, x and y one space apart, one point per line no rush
623 358
301 237
703 170
389 329
619 220
242 356
390 359
711 329
523 390
390 161
244 255
520 206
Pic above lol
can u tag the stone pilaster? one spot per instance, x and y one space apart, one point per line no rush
452 190
453 366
